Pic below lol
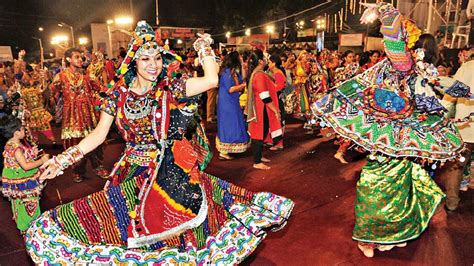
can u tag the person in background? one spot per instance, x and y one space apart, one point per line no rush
374 57
262 112
232 136
461 108
277 72
79 116
20 175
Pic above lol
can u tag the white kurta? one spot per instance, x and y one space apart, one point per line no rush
462 107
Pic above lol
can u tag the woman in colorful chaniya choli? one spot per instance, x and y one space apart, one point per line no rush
389 110
159 206
347 71
301 76
317 86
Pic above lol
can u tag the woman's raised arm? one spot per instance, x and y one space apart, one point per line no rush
207 58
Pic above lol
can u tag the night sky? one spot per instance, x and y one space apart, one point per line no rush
20 19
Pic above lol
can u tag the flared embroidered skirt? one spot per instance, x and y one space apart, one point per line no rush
94 229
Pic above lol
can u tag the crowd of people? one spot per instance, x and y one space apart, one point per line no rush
408 107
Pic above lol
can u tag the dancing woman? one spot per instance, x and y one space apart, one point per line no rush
158 206
390 111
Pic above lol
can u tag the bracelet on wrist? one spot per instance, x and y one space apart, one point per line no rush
69 157
204 52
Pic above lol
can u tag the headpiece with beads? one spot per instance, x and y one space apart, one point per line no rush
143 41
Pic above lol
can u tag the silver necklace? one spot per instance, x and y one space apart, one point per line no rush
137 108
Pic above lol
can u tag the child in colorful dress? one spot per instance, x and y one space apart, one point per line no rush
20 181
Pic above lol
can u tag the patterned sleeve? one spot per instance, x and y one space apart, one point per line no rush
183 109
178 90
108 102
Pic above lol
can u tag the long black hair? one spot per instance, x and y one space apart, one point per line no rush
232 61
275 58
428 43
252 63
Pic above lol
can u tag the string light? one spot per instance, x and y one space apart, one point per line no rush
281 19
270 29
325 24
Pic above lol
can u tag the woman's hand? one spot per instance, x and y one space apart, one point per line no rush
237 88
370 14
207 58
44 158
35 150
50 170
278 115
204 40
275 110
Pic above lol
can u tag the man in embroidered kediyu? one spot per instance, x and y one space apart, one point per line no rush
79 116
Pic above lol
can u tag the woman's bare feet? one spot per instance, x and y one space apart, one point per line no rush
276 148
389 247
340 156
261 166
224 156
385 247
366 249
401 245
265 160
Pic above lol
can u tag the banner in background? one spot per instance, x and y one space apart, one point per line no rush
6 54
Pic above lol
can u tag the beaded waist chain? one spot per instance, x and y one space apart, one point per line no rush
141 154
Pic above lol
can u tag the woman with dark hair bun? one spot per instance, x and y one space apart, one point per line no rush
428 43
232 134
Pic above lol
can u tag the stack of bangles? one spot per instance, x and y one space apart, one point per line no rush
203 48
206 52
69 157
